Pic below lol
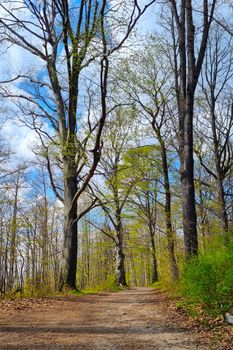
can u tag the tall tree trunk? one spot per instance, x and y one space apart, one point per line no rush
219 175
187 179
155 276
222 205
2 244
186 78
45 250
70 248
28 259
152 217
168 215
119 251
202 216
120 264
33 251
13 237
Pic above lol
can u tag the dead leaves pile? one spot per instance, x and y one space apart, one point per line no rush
212 329
12 306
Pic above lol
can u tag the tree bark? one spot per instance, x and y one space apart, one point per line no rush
45 237
155 276
13 237
168 215
70 248
222 204
187 180
217 157
120 264
119 250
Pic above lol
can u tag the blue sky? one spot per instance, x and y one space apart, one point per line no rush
16 60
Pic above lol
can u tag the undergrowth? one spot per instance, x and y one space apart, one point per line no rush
108 286
207 281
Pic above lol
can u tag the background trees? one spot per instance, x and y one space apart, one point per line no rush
148 86
66 39
217 96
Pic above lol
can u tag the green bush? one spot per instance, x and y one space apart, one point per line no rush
110 285
208 280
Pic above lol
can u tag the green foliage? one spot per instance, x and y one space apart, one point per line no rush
156 285
39 289
208 280
109 285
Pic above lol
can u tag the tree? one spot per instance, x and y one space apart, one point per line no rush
118 133
217 74
143 164
66 39
146 81
189 52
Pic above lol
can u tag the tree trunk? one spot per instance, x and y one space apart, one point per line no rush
1 257
222 205
155 276
186 78
13 237
120 265
187 180
70 248
45 263
119 252
219 175
168 216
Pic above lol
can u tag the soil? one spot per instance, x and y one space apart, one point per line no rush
134 319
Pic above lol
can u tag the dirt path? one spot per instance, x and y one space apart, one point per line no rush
130 320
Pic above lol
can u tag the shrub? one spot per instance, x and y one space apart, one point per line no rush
208 280
110 285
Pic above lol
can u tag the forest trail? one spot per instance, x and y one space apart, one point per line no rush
133 319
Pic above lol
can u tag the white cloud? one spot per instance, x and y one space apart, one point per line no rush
21 140
13 58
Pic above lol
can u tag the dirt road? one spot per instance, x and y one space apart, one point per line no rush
134 319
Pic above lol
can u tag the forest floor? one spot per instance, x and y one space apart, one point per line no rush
134 319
